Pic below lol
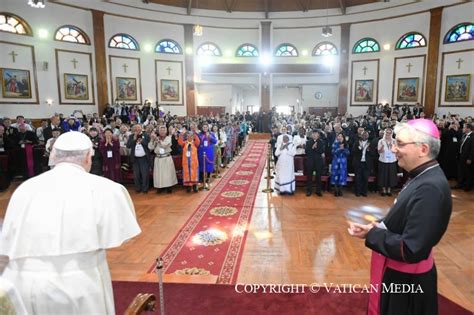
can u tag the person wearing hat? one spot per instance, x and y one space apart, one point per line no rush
403 241
56 250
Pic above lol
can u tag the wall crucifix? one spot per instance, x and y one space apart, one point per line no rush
74 62
13 54
365 69
125 66
459 61
409 67
169 70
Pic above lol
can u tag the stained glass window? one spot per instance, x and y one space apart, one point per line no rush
324 48
168 46
208 49
73 34
286 50
411 40
459 33
366 45
123 41
14 24
247 50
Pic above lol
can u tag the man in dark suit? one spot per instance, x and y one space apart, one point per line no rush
465 158
314 162
362 161
48 131
140 158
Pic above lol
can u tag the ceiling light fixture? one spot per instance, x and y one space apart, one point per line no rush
197 29
36 3
327 31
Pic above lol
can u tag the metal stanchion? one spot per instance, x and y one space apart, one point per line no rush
205 185
270 155
216 170
269 176
159 272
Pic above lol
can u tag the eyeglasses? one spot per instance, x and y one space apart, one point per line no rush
403 144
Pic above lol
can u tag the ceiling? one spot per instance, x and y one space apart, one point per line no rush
262 5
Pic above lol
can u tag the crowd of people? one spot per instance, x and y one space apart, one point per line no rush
145 143
144 139
362 146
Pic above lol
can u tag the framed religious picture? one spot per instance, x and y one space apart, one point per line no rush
169 90
364 91
457 88
76 86
408 89
126 89
16 83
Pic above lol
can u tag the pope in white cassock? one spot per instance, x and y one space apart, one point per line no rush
57 228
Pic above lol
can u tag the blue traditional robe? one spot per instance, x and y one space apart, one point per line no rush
339 165
207 145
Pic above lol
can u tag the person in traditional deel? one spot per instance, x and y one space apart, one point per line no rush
403 241
56 235
207 141
190 144
340 152
164 172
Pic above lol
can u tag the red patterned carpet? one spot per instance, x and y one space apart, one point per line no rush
211 242
214 299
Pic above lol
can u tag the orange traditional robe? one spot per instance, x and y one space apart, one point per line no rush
190 160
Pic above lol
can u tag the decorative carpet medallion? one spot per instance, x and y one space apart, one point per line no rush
239 182
249 165
192 271
251 160
210 237
223 211
213 238
244 173
232 194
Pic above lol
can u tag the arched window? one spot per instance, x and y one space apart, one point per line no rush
168 46
366 45
123 41
208 49
247 50
459 33
73 34
286 50
14 24
411 40
324 48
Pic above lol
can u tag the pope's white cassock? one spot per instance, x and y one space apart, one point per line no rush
55 232
285 169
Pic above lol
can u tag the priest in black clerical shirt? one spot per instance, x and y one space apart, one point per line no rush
402 242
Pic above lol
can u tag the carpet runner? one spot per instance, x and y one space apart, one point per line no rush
214 299
212 240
